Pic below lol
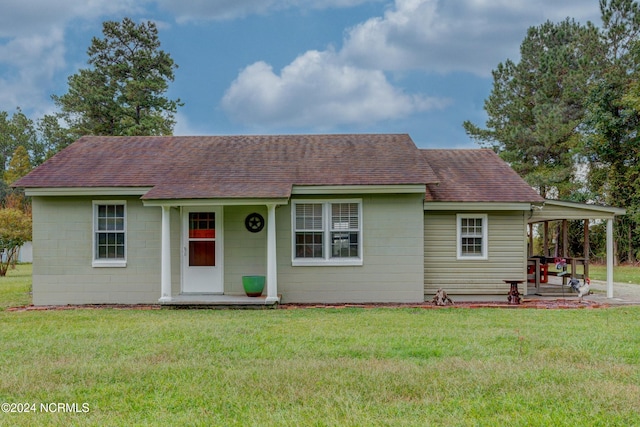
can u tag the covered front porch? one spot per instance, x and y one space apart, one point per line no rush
548 273
208 245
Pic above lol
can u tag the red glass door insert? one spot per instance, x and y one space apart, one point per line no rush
202 239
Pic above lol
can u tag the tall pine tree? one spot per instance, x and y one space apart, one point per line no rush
537 105
612 122
123 93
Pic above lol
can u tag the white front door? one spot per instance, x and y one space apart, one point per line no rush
202 250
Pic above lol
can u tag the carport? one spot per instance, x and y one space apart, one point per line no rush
561 211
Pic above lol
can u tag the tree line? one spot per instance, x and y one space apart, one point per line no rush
566 116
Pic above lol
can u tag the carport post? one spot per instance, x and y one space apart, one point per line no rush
610 258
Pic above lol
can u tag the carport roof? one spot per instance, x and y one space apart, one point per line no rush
555 210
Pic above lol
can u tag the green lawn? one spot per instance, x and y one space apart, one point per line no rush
621 273
453 366
15 287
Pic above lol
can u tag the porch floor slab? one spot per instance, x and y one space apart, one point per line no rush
218 300
554 288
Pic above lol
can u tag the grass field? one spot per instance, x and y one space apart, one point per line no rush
621 273
15 288
450 367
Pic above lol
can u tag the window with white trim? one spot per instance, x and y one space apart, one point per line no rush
472 231
327 232
109 234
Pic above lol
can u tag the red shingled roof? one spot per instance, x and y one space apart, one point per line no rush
475 176
232 166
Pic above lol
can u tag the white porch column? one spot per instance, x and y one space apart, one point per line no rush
165 257
610 258
272 265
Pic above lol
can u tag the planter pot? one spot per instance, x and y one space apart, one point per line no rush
253 285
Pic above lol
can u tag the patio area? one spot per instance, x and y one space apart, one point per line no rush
625 293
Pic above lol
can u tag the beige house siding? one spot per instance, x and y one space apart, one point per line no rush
245 253
62 254
507 250
392 269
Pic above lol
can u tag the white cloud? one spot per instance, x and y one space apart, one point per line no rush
20 52
317 90
32 45
19 18
349 86
443 36
32 60
183 126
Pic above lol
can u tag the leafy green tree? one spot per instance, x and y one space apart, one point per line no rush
15 230
536 106
573 101
611 142
15 131
54 137
123 91
19 166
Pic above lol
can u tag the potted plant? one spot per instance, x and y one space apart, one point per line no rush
253 285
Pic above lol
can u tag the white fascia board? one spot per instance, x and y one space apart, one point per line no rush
476 206
87 191
358 189
587 207
215 202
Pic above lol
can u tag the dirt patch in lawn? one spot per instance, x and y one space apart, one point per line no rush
560 303
539 304
86 307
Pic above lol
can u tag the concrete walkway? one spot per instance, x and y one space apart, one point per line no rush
623 293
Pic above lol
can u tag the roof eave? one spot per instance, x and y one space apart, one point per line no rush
478 206
85 191
359 189
217 202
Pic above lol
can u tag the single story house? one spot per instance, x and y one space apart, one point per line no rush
325 218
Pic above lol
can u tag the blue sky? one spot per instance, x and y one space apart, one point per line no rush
292 66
